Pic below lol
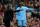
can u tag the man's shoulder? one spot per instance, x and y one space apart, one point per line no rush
18 8
7 9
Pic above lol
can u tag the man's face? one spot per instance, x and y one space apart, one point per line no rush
0 5
28 11
20 5
39 13
14 8
9 0
10 7
39 21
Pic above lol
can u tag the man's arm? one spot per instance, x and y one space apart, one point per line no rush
1 10
18 10
26 8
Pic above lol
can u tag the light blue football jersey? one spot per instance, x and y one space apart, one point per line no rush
22 14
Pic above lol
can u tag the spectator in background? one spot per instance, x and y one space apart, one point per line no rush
36 6
4 6
32 5
5 2
37 0
0 1
29 4
29 13
0 6
10 1
38 15
34 13
39 23
13 3
0 9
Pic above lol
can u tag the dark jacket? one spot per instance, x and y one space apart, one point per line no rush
33 15
8 14
38 16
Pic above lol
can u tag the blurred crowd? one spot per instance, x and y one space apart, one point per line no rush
28 3
33 17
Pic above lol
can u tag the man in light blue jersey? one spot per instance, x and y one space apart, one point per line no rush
21 16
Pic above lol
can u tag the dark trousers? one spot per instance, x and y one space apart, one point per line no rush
7 23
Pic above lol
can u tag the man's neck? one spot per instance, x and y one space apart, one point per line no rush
20 6
10 8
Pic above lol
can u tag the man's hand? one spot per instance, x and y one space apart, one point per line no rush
22 9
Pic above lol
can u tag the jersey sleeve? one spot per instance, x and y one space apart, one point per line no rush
26 8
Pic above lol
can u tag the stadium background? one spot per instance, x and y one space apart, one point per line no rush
33 16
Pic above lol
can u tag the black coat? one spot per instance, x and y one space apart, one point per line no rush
38 16
8 14
33 15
